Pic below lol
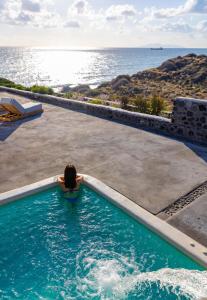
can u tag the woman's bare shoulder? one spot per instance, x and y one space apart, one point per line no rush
79 178
60 179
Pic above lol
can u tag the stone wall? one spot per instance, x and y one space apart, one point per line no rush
190 115
189 118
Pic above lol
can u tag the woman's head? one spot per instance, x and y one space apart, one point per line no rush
70 177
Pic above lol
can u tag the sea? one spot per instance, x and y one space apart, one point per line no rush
58 67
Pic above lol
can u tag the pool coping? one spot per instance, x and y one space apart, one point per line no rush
169 233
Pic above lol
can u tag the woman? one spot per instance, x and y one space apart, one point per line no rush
70 183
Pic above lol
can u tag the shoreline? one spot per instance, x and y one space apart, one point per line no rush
117 60
151 91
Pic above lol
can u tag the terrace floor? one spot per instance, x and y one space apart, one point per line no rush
150 169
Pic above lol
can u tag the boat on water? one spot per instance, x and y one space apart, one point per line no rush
159 48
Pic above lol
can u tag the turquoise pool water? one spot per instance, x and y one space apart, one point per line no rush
50 249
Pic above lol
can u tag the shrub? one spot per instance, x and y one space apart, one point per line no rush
124 102
142 105
41 89
34 88
115 105
95 101
68 95
113 97
11 84
6 82
93 93
157 105
20 87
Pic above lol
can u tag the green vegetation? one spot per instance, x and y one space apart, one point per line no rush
115 105
41 89
11 84
154 105
95 101
68 95
93 93
5 82
157 105
142 105
124 102
35 88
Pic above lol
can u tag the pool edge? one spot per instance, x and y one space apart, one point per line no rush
169 233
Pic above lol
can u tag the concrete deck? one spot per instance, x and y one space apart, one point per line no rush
192 219
150 169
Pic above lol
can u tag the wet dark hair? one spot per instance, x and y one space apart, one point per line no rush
70 177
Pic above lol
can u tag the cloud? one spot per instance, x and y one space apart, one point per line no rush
2 3
72 24
42 14
202 26
176 27
30 5
46 19
80 6
29 12
22 18
12 9
190 6
197 6
116 12
112 18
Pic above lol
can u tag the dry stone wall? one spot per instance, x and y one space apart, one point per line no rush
189 117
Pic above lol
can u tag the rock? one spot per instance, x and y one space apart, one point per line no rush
191 55
135 90
66 89
104 84
93 93
188 69
164 77
127 77
167 66
179 76
120 81
81 88
200 77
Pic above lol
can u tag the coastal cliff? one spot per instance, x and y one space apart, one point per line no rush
181 76
150 91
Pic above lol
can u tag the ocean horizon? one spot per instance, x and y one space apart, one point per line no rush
61 66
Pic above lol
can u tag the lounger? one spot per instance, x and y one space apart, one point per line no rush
18 111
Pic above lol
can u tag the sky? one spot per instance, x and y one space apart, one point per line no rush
103 23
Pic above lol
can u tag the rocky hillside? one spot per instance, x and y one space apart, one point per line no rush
180 76
190 69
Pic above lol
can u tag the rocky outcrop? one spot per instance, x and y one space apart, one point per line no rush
189 69
81 88
120 81
181 76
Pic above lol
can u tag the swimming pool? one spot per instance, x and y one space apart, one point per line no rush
50 249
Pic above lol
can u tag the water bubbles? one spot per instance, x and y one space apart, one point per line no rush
118 277
56 252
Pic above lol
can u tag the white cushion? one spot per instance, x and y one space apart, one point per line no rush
31 107
13 102
22 108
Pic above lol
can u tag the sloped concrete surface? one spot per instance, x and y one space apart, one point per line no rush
192 220
151 170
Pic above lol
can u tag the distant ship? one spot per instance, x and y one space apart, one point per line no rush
159 48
